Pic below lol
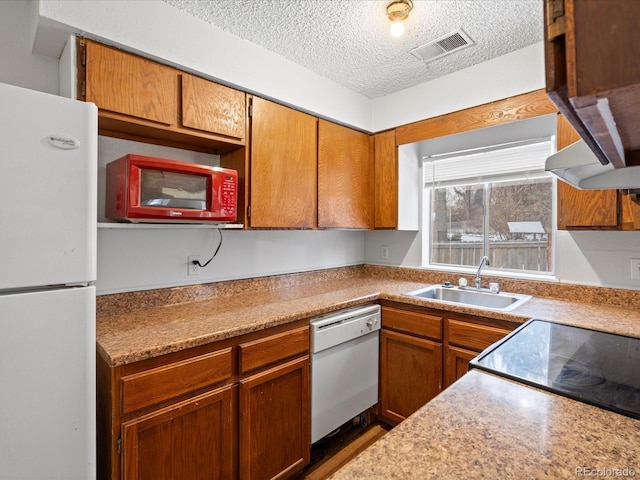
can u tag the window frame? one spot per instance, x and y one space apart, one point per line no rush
427 204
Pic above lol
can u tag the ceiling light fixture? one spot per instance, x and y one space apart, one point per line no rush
398 11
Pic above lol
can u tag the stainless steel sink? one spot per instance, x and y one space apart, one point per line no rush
469 296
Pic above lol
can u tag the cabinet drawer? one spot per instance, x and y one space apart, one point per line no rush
474 336
416 323
269 350
157 385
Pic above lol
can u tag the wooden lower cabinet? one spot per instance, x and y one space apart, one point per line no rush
410 374
189 440
275 430
238 408
456 363
424 350
410 361
465 339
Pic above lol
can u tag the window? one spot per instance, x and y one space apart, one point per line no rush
495 202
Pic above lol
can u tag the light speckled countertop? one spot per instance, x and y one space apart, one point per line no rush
481 427
488 427
141 325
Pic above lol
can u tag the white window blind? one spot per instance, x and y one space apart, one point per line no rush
524 160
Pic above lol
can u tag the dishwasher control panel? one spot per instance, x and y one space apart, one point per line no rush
343 326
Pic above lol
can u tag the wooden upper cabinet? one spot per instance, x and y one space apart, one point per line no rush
211 107
120 82
591 49
143 100
283 192
592 209
385 180
583 208
344 177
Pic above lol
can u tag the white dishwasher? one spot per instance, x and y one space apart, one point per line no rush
344 367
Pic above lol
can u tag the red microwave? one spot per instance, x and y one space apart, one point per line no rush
147 189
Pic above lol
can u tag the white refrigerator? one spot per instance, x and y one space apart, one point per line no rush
48 177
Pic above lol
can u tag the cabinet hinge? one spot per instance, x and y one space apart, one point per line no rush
84 89
249 211
250 110
119 445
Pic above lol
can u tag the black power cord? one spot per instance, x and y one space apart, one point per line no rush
197 262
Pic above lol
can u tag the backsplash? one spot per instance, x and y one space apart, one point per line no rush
131 301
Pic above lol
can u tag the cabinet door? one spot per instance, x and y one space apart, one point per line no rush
410 374
123 83
283 167
192 439
275 428
212 108
386 180
583 208
456 363
344 177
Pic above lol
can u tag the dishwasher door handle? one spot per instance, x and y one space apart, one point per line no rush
326 333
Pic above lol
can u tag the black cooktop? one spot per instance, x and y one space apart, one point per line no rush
599 368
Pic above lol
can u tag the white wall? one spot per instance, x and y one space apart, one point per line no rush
141 258
136 259
145 257
586 257
18 66
518 72
597 258
157 30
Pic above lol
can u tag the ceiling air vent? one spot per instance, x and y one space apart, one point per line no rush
452 42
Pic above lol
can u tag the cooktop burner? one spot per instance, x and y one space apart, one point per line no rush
593 367
577 377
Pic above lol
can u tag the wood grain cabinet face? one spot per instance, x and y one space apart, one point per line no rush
410 365
120 82
143 100
456 363
275 429
410 374
344 177
423 352
192 439
385 180
283 178
583 208
589 77
163 383
592 209
464 341
213 108
239 408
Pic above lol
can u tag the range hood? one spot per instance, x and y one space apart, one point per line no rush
578 166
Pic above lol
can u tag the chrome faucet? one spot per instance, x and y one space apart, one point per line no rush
483 263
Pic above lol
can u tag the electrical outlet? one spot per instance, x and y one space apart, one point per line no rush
193 268
384 251
635 269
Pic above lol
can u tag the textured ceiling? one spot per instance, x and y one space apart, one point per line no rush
348 41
